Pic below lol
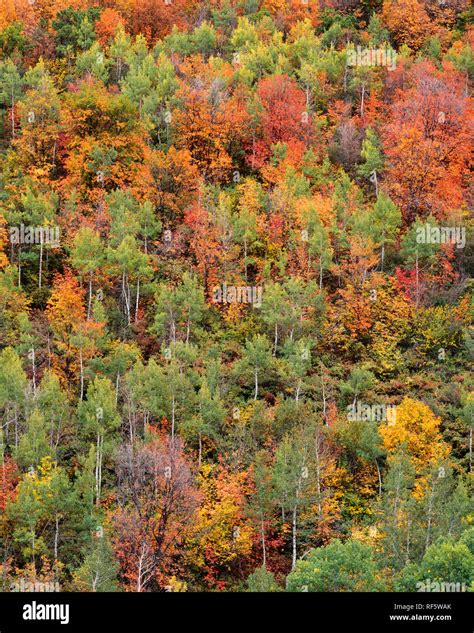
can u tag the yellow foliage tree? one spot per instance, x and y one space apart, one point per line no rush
221 532
417 428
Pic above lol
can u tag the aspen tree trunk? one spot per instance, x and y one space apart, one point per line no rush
294 542
33 367
137 300
56 537
188 328
98 467
379 476
81 365
297 392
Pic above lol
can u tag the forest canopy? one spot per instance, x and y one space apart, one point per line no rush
236 261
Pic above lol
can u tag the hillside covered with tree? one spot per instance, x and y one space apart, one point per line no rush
236 307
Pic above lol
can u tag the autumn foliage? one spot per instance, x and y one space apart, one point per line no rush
235 293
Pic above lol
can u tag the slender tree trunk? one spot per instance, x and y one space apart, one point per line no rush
173 329
188 330
126 296
56 538
294 540
138 299
379 476
256 383
81 366
98 467
139 575
33 367
297 392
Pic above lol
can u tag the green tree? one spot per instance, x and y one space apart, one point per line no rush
100 421
178 309
87 257
360 380
55 407
291 479
372 155
33 445
256 359
98 572
11 85
262 580
348 566
94 63
13 383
